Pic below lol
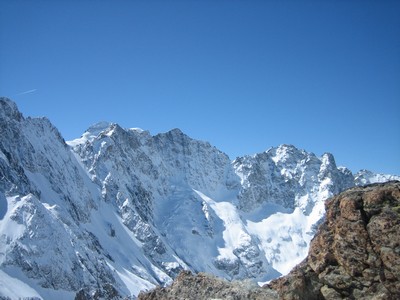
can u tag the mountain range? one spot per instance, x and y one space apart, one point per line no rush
119 211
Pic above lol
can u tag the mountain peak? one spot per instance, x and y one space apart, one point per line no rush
328 159
174 134
285 153
9 110
287 147
176 131
98 127
91 133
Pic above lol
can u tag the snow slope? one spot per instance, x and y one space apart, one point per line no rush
118 211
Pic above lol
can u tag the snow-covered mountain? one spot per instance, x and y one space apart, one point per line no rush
119 210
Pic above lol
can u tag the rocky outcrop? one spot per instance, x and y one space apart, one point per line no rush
203 286
356 252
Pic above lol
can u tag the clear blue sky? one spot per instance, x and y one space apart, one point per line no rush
243 75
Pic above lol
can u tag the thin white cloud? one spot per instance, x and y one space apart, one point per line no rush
26 92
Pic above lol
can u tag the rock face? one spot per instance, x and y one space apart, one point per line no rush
356 251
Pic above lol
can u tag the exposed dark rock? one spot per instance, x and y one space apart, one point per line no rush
107 291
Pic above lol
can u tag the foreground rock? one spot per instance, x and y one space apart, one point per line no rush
356 252
203 286
355 255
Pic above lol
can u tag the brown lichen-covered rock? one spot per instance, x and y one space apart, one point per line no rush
203 286
356 252
301 283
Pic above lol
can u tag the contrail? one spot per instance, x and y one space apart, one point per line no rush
26 92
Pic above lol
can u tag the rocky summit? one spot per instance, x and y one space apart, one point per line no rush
354 255
119 211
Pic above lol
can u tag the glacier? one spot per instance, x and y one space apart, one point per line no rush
118 211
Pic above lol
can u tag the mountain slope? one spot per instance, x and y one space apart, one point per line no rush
119 210
55 231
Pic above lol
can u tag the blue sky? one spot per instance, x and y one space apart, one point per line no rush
243 75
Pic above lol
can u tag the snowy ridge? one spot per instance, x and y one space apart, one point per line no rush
118 210
364 177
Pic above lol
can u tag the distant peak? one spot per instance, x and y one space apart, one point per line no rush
91 133
136 129
99 127
364 171
288 146
328 161
176 131
173 133
328 157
